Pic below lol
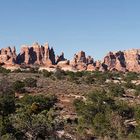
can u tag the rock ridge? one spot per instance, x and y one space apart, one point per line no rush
44 57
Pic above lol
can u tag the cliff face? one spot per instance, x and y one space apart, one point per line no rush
44 56
8 56
36 54
123 61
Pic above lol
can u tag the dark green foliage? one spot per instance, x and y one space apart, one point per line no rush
30 82
130 85
7 98
7 106
138 88
17 71
59 74
100 77
79 73
34 115
125 111
116 90
89 79
137 112
3 70
46 73
39 103
19 86
34 118
131 76
34 69
100 112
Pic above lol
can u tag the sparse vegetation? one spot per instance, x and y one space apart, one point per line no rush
83 105
3 70
19 86
30 82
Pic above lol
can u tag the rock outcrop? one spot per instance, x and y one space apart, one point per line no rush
123 60
81 62
132 58
44 57
36 54
8 56
60 58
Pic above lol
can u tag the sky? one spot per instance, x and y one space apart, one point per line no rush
94 26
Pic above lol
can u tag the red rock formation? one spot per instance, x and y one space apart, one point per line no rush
44 56
8 56
49 55
60 58
91 67
132 58
81 62
123 61
24 56
36 54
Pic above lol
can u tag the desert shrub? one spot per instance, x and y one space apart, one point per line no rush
79 73
3 70
46 73
7 106
7 98
124 110
103 115
88 79
131 76
59 74
19 86
137 113
30 82
137 88
39 101
116 90
130 85
8 136
35 115
34 69
70 74
99 76
17 71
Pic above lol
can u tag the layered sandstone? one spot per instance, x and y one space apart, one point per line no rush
36 54
123 60
81 62
44 57
8 56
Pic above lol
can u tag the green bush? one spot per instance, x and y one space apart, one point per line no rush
88 79
35 115
131 76
30 82
130 85
17 71
3 70
138 88
7 98
59 74
125 111
41 102
19 86
46 73
103 116
116 90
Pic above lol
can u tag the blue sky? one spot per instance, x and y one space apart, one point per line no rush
94 26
